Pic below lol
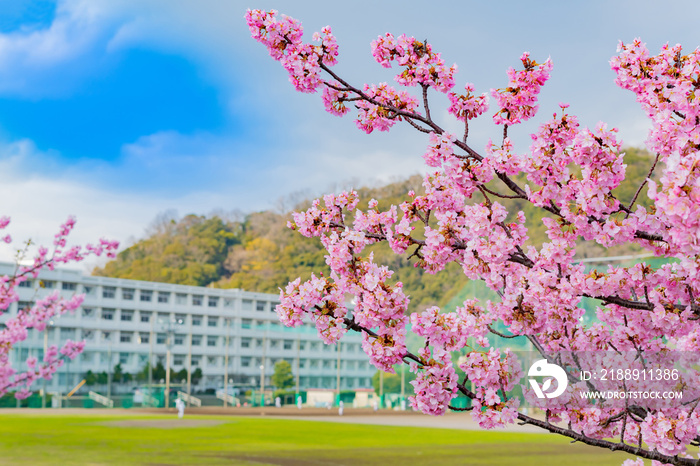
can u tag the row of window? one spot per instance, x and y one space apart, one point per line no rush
218 361
179 339
163 297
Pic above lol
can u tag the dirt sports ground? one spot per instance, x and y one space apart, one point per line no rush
276 436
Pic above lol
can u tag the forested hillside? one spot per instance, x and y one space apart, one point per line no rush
259 253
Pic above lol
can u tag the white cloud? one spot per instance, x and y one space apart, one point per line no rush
39 203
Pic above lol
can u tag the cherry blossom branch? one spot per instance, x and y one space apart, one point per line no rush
579 437
641 186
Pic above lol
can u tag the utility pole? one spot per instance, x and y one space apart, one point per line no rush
46 349
262 384
189 368
109 374
150 359
262 367
169 344
381 387
403 388
228 340
298 360
337 380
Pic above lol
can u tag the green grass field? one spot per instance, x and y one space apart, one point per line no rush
66 440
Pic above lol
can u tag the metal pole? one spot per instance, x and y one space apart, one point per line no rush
228 339
18 350
189 368
46 349
298 359
337 380
169 343
150 359
262 367
381 387
109 374
262 384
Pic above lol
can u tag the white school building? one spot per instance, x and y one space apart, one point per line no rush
228 334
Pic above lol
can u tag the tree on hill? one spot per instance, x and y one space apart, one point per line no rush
261 254
589 379
189 252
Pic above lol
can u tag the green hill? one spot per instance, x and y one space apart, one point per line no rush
259 253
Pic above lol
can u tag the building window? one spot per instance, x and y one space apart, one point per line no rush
180 319
87 356
273 306
178 359
327 364
245 342
106 336
161 338
144 337
197 299
274 344
124 358
228 302
196 361
23 305
288 344
127 316
258 342
350 365
163 317
89 290
246 323
247 305
163 297
125 337
109 292
314 346
179 339
197 320
302 345
181 298
196 340
145 316
88 313
302 363
107 314
128 294
259 306
146 295
212 321
213 301
48 284
26 284
245 362
212 361
67 332
314 364
212 340
88 335
67 286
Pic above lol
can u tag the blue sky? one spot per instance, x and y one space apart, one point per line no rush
114 111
